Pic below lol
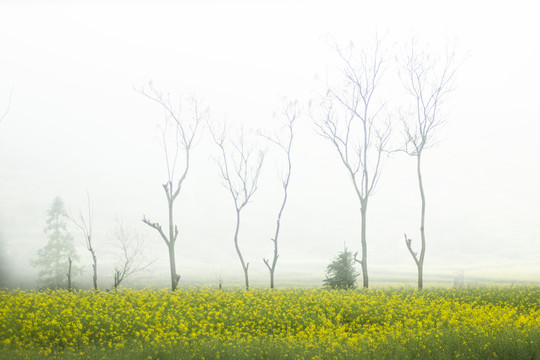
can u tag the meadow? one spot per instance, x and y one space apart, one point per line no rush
468 323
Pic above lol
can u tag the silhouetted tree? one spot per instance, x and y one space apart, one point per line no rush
351 121
185 132
340 273
428 81
240 168
53 260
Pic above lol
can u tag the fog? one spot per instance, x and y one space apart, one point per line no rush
76 124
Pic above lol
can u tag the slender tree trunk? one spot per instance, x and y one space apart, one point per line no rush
57 274
246 276
245 266
175 278
278 227
363 262
116 280
422 220
272 268
69 274
94 267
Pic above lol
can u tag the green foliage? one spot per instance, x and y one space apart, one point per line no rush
341 274
53 258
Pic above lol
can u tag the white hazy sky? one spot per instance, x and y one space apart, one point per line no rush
76 124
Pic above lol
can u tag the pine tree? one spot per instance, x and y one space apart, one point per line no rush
340 273
54 258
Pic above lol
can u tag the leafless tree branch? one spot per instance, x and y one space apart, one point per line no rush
428 85
86 225
8 107
283 141
350 121
240 173
132 258
185 134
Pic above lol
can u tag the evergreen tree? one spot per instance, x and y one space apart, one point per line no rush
340 273
54 258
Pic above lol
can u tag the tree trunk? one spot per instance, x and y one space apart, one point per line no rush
246 276
422 220
172 239
272 278
245 266
278 226
363 262
116 280
174 276
69 274
420 276
94 267
272 268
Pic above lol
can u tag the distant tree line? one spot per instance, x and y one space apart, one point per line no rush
58 261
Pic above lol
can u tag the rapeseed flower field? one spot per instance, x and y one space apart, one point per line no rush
479 323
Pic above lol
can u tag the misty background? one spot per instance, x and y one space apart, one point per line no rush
76 124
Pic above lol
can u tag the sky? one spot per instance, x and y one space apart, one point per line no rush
77 124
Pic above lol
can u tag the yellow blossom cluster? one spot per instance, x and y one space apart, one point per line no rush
387 322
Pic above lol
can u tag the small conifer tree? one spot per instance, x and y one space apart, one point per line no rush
340 273
55 258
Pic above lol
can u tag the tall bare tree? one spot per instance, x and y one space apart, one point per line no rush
85 225
428 81
240 168
283 140
132 258
352 122
185 132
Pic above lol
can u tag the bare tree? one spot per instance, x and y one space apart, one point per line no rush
284 143
185 132
351 122
240 172
428 81
85 224
132 258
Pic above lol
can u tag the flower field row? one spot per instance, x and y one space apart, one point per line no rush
203 323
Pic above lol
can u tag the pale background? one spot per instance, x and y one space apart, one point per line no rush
76 124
